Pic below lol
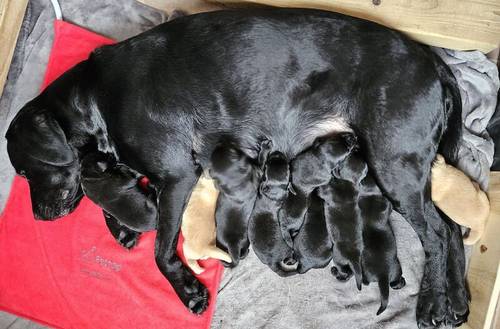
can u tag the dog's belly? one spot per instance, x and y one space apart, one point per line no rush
291 93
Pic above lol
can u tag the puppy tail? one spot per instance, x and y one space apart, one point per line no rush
214 252
450 140
383 286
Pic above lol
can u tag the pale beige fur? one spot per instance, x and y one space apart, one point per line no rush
459 198
198 226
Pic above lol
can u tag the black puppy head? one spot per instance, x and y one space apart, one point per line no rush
231 169
94 164
39 151
353 169
268 244
314 166
276 177
334 150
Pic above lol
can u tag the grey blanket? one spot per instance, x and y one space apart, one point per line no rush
251 296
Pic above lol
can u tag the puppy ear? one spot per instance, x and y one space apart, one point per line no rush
38 135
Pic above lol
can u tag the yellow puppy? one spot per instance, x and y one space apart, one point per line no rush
198 226
459 198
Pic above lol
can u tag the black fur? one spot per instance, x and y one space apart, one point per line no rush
357 216
310 169
313 244
264 228
236 178
253 75
115 188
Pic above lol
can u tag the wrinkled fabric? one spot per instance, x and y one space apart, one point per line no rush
477 77
494 131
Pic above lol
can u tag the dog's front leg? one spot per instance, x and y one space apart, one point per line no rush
172 201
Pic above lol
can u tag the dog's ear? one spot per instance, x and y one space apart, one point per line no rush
38 135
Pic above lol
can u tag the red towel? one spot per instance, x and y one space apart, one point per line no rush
71 273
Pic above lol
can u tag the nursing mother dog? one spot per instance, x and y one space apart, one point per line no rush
284 75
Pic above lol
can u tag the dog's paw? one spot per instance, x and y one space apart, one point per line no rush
398 284
236 254
244 252
128 238
342 273
431 309
195 296
458 307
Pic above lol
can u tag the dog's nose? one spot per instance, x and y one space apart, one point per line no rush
289 264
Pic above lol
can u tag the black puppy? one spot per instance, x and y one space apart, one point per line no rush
345 227
236 178
310 169
357 216
379 259
116 189
246 75
264 229
313 244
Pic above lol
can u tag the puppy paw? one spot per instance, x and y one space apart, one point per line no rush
128 238
398 284
236 254
431 309
343 273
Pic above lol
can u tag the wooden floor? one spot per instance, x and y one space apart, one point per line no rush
11 17
455 24
484 269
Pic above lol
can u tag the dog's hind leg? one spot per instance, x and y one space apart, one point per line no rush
419 211
458 295
125 236
173 199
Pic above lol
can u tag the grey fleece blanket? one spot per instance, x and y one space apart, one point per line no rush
251 296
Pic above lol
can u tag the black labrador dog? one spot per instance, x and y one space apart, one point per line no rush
286 75
313 244
311 169
237 178
357 216
264 229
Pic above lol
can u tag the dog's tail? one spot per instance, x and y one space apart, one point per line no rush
383 286
452 104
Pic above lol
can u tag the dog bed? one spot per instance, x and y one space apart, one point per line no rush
251 296
71 273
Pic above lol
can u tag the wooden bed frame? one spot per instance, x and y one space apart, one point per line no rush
453 24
